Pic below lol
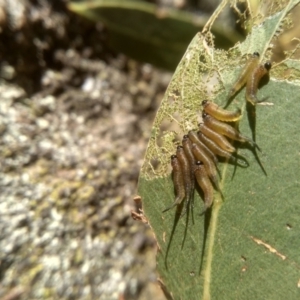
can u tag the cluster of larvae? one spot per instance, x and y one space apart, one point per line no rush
196 160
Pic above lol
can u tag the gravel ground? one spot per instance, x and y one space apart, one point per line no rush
75 118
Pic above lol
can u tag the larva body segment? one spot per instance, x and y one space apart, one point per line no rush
253 81
178 182
219 113
187 147
213 146
220 152
217 138
226 130
250 65
208 164
205 184
186 171
193 136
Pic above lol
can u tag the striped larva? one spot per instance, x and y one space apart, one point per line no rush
219 113
193 136
217 138
226 130
208 164
178 182
205 184
250 65
253 81
186 171
220 152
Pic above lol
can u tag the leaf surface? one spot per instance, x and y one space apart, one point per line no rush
248 247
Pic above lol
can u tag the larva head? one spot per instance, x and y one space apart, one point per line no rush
255 54
205 115
179 150
174 163
268 65
185 140
199 163
204 102
199 169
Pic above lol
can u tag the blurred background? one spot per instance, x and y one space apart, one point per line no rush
80 84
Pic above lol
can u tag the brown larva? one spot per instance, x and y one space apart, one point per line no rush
178 182
250 65
208 164
226 130
193 136
217 138
187 147
204 183
219 113
186 171
253 81
220 152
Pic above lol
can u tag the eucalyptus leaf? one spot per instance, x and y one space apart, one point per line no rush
147 33
247 246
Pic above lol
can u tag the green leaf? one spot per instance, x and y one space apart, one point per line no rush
148 33
248 247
